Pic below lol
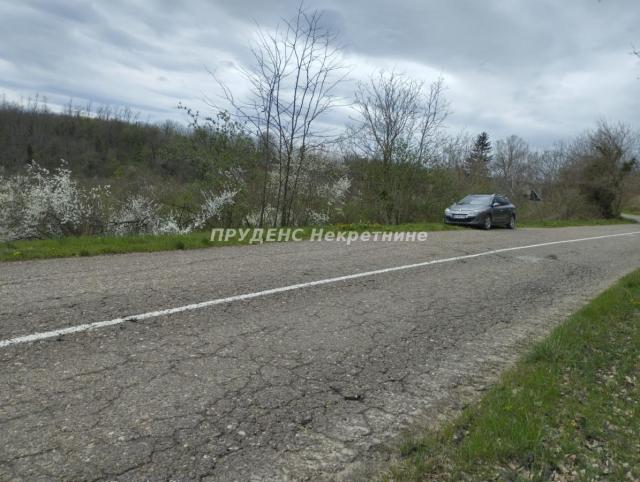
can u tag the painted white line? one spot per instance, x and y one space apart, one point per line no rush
258 294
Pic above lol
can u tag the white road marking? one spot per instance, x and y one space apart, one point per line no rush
248 296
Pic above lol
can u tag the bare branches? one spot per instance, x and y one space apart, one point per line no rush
435 112
510 161
397 125
398 119
295 71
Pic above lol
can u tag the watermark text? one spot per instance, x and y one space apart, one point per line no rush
272 235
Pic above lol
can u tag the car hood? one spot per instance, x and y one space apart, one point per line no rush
466 208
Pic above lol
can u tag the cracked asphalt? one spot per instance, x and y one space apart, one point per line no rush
315 383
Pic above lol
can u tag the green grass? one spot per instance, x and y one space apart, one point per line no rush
569 410
564 223
96 245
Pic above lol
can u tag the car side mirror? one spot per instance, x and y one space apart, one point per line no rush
495 205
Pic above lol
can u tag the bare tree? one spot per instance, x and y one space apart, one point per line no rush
510 161
388 107
435 110
453 151
296 70
396 118
544 166
397 125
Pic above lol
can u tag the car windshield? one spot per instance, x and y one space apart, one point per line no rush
482 200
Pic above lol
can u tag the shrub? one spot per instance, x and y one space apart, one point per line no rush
44 204
48 204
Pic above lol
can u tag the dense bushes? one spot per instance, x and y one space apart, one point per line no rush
128 177
44 204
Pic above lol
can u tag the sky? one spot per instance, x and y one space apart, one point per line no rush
542 69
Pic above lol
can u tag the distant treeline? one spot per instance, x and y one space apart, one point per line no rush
101 144
214 172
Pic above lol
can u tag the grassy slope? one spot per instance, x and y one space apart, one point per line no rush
93 245
569 410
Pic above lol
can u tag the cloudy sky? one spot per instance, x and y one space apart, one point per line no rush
542 69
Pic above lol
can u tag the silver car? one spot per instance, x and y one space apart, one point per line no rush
482 210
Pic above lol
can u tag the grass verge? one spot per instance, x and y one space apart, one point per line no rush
96 245
634 211
566 223
569 410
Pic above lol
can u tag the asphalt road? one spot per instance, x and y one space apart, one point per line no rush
311 383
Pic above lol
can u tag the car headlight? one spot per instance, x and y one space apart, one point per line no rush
447 211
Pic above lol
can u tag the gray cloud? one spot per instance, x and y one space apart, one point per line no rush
544 70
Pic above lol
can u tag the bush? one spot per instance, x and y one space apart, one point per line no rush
50 204
44 204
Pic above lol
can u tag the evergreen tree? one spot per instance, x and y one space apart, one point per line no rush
477 163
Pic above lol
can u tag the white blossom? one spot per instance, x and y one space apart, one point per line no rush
43 204
212 207
316 218
137 215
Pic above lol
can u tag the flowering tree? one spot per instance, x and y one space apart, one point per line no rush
44 204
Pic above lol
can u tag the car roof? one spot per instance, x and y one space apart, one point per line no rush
482 195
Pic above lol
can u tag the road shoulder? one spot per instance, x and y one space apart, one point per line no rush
568 409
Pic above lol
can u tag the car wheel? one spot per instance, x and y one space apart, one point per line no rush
487 222
512 222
